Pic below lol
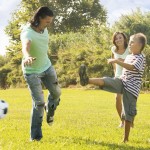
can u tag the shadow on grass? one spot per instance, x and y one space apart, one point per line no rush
120 146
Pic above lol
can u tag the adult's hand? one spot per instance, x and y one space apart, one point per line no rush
28 61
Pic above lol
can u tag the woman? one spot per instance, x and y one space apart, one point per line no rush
119 51
37 68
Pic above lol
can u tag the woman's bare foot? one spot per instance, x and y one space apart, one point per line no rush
125 140
121 125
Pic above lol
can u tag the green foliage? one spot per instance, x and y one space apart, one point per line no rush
147 69
3 77
4 70
84 120
78 35
134 23
72 15
91 48
3 60
69 16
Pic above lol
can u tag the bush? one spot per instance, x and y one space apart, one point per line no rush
91 48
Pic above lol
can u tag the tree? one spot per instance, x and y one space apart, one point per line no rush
70 15
134 23
4 70
91 48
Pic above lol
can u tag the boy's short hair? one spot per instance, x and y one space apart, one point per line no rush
142 39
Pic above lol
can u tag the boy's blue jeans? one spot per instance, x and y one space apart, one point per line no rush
49 79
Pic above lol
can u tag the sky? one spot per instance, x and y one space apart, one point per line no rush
6 8
115 8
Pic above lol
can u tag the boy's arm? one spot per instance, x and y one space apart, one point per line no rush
122 64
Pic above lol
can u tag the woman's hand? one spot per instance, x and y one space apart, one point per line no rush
28 61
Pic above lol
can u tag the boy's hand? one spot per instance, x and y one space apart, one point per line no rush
111 61
28 61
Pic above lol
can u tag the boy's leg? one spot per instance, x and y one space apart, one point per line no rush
96 81
132 123
126 131
129 104
51 83
113 85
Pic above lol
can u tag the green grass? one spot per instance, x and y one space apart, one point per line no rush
84 120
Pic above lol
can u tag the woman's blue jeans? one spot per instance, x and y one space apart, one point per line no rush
49 79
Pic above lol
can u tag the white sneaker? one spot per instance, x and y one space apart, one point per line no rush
50 121
49 118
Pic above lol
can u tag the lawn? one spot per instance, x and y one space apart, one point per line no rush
84 120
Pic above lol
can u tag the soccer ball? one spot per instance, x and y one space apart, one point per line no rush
3 108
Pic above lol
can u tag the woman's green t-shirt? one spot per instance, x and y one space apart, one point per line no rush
39 49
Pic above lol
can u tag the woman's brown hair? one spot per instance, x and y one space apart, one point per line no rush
42 12
125 39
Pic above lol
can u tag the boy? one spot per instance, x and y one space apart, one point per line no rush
128 84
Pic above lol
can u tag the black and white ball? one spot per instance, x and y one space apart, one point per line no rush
3 108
